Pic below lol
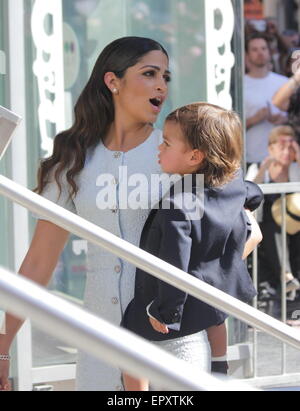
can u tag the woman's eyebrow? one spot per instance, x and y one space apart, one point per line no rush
155 68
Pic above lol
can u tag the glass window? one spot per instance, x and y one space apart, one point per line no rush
180 27
85 27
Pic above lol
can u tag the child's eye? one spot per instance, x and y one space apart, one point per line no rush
167 78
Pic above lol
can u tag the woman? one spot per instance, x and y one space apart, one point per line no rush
282 166
113 136
113 131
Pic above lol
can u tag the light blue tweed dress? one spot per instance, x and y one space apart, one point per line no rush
110 281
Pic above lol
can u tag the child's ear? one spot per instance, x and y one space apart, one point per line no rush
197 157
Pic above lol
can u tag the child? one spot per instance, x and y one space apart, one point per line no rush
204 139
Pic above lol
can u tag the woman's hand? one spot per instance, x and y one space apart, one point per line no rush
159 327
261 115
266 163
296 148
297 74
4 373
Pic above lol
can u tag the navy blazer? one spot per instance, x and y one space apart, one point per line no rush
209 248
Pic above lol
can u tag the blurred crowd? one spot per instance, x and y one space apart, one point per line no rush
282 44
272 108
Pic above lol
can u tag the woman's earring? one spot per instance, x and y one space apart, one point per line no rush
115 91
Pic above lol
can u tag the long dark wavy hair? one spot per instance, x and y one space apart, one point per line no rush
94 112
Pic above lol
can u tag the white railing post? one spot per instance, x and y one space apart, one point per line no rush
147 262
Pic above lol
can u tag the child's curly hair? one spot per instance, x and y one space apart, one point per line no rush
218 134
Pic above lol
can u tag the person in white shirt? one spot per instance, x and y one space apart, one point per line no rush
260 85
288 96
280 166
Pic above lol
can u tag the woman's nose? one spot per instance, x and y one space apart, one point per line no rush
162 86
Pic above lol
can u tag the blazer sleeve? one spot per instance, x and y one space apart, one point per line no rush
175 249
254 196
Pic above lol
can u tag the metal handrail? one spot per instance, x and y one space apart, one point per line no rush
148 262
280 188
103 340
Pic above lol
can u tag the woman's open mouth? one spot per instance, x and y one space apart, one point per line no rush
156 103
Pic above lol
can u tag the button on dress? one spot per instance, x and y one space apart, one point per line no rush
110 280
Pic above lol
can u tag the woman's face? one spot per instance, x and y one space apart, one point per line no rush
144 88
283 151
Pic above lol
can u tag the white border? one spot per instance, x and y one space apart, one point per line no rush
22 352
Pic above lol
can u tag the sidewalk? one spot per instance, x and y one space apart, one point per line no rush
269 356
270 349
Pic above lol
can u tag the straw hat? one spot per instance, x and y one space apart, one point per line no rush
292 213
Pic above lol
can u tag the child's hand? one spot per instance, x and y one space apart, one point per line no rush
159 327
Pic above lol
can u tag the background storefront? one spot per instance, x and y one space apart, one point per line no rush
285 12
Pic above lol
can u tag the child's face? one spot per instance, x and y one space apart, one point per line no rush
176 156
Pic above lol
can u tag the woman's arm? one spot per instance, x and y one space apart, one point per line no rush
46 246
255 237
260 177
281 98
